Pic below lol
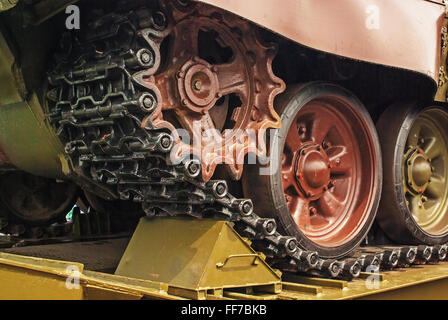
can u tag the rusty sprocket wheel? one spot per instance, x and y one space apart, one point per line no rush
218 85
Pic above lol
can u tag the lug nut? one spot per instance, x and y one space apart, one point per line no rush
147 102
145 57
267 226
220 189
334 269
193 168
411 255
355 270
289 244
393 259
245 207
442 253
312 259
165 142
424 252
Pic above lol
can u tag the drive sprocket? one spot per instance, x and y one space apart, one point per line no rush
217 83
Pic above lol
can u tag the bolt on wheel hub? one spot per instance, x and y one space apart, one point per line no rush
198 85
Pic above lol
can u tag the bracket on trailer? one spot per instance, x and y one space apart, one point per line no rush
196 258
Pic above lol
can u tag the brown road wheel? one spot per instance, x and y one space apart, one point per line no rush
325 175
35 200
414 205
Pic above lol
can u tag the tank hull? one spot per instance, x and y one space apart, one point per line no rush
402 34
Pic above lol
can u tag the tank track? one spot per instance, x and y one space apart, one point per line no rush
97 109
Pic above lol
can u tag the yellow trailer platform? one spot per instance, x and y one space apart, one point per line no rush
211 262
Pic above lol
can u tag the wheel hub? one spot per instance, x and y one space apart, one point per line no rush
418 170
198 85
313 170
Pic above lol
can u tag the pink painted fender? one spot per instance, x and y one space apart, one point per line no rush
399 33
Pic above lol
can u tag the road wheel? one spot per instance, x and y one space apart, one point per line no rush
414 205
323 183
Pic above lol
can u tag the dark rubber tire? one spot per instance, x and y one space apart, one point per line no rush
394 216
266 190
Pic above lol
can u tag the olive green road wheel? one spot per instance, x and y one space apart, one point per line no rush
414 204
325 179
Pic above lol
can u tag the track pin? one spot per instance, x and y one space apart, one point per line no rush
330 267
439 253
351 268
407 256
424 254
369 261
390 258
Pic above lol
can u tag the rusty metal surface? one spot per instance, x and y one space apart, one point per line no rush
198 77
404 34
